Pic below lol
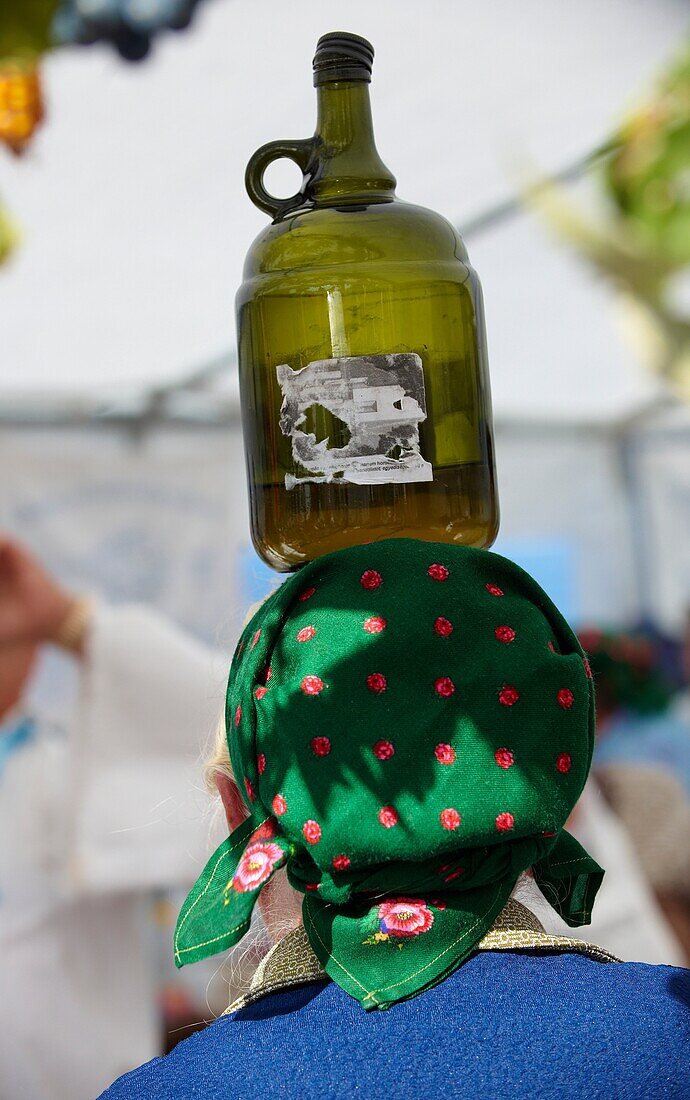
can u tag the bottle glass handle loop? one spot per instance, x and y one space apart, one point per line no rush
301 152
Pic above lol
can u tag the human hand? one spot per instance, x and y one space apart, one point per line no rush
33 605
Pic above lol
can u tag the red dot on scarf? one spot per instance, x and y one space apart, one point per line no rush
494 590
383 750
563 762
505 822
307 594
438 572
587 667
312 886
508 696
279 805
444 686
445 754
504 758
306 633
443 627
450 818
312 685
565 698
388 817
260 692
341 863
505 634
249 788
551 647
267 674
261 763
370 579
374 625
312 832
238 715
377 682
454 874
320 746
255 639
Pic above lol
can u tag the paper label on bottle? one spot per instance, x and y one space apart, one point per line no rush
380 399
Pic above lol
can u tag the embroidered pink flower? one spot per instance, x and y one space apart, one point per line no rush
261 763
504 758
405 917
306 633
445 754
320 746
312 685
505 822
377 682
374 625
444 686
438 572
565 698
587 667
279 805
255 639
450 819
370 579
260 691
312 832
383 750
307 594
505 634
443 627
256 865
249 788
388 817
238 715
341 863
508 696
563 762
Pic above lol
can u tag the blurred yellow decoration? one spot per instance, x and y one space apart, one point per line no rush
21 102
8 235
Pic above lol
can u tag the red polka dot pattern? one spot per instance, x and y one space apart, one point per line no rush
494 590
443 627
551 647
255 639
508 696
438 572
377 682
444 686
450 819
383 750
279 805
249 788
267 675
388 817
307 594
504 758
312 685
341 863
238 715
505 822
311 830
260 691
565 698
454 874
445 754
374 625
306 633
261 763
320 746
563 762
505 634
370 579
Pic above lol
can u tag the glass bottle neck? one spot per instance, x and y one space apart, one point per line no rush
349 169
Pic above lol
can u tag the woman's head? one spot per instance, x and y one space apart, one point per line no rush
411 723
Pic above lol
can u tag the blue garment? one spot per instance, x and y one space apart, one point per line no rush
15 737
504 1026
661 741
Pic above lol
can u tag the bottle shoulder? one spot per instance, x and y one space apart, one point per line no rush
384 232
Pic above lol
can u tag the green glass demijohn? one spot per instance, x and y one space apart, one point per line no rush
362 353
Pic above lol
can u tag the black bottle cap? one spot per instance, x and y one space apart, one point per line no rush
342 56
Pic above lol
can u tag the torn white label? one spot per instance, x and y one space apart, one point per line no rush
381 401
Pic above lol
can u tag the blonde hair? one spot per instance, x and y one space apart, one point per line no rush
218 758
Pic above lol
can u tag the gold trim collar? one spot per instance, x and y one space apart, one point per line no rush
292 962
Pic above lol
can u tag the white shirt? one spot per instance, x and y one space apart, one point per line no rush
92 817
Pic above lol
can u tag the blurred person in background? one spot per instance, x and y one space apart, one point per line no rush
93 817
642 762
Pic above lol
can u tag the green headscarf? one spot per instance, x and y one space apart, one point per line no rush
412 724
